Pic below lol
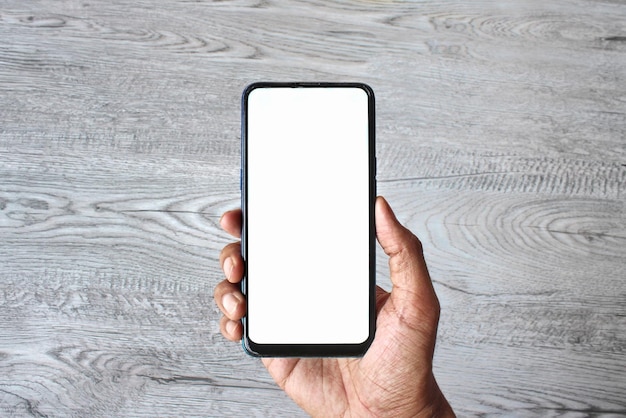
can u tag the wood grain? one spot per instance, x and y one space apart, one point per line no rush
501 143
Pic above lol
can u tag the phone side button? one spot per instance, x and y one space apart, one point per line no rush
240 179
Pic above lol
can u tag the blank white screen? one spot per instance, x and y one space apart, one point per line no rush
308 216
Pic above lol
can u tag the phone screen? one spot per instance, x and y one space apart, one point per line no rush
308 236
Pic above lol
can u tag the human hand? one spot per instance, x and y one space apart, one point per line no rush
395 377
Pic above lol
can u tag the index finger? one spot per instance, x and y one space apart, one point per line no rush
231 222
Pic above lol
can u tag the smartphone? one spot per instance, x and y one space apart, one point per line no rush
308 236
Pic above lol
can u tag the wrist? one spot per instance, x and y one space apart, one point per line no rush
441 409
437 406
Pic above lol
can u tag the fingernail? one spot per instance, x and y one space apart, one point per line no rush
230 302
229 266
231 326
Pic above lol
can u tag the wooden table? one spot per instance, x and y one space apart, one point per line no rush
501 143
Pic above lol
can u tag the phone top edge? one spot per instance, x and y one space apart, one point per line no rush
307 84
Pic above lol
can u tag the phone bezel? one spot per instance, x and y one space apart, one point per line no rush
312 350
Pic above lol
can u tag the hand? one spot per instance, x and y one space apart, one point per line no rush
395 377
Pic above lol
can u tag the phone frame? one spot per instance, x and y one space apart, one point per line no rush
311 350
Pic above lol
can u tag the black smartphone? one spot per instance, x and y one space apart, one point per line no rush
308 236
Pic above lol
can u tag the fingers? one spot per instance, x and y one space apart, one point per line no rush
230 300
231 222
232 330
232 303
412 291
232 263
227 294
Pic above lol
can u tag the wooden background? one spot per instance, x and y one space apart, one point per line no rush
501 143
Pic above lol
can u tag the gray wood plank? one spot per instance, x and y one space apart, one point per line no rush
501 142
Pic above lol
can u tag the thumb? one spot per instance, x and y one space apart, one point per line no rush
412 295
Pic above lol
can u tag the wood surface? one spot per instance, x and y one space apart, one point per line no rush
501 142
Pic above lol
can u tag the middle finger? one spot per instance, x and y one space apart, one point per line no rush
231 262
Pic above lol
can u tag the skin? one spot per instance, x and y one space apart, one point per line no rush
394 378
